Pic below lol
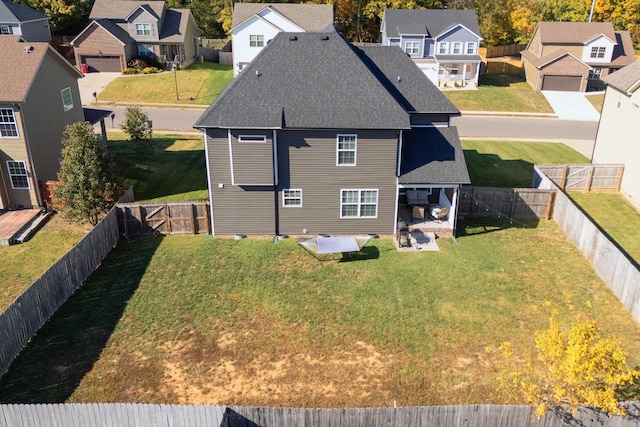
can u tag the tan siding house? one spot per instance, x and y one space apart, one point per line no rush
39 97
312 138
575 56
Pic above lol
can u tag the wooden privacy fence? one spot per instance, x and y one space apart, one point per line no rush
145 415
517 203
507 50
500 67
617 269
147 219
26 315
587 177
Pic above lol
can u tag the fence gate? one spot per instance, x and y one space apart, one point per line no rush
147 219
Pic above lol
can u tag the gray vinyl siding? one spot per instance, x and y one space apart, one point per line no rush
143 17
429 119
36 31
419 39
458 35
429 47
307 161
236 209
252 162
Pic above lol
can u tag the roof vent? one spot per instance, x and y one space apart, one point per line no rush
399 78
28 49
293 38
324 37
258 73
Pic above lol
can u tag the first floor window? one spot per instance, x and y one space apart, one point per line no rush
292 198
595 73
347 146
145 50
471 48
6 29
598 52
242 66
143 29
359 203
18 174
67 100
256 40
412 48
8 125
456 48
443 48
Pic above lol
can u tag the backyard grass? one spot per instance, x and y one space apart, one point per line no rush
510 163
596 100
197 320
623 226
199 84
171 169
22 264
500 93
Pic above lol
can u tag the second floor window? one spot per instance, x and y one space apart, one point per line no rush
347 145
471 48
595 73
412 48
143 29
256 40
67 99
456 48
8 125
443 48
6 29
597 52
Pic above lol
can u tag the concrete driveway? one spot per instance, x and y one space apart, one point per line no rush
571 105
94 82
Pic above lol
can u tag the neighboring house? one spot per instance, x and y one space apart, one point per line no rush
575 56
254 24
39 97
122 30
619 127
21 20
443 43
319 136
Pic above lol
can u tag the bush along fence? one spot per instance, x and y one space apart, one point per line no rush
26 315
496 202
614 266
120 414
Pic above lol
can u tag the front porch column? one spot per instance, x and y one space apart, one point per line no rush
454 209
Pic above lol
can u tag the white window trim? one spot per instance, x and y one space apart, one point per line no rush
257 41
252 139
595 76
597 52
285 198
26 174
443 46
69 106
141 29
471 45
410 46
6 29
14 123
359 203
460 45
354 150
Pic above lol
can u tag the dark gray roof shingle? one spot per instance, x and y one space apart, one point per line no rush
433 156
625 79
11 13
121 9
307 80
434 21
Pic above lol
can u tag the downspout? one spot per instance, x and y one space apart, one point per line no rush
30 159
209 183
276 182
398 164
454 205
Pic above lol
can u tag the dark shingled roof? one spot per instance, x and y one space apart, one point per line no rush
120 9
573 32
433 21
118 32
11 13
311 81
433 156
626 79
405 81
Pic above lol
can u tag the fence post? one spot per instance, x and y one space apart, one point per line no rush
563 179
620 175
590 177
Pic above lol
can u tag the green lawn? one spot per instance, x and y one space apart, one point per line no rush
199 320
172 169
617 217
199 84
500 93
596 100
510 163
21 264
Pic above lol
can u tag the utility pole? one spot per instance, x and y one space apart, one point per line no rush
593 5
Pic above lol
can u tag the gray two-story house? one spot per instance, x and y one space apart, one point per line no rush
122 30
24 21
319 136
443 43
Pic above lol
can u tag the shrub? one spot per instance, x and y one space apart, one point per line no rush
135 124
130 71
150 70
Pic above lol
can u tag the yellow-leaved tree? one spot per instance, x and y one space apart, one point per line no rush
573 368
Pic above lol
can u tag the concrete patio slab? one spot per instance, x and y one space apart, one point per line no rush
571 105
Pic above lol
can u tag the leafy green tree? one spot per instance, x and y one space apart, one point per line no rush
87 184
573 368
135 124
65 16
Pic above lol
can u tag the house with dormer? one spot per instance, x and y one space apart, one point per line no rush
317 135
254 24
442 43
22 20
121 30
575 56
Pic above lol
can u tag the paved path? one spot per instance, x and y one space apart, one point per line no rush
571 105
